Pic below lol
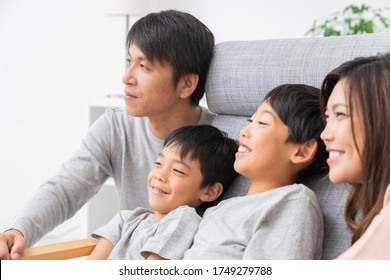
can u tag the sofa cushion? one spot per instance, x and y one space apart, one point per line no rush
243 72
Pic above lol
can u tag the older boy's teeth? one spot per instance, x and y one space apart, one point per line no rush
334 154
242 149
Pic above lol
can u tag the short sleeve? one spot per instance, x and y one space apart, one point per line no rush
113 230
174 235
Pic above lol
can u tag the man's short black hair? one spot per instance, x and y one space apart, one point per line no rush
179 39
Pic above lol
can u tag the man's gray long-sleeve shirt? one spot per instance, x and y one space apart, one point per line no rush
116 145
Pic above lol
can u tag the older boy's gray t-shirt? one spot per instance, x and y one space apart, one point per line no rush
136 234
284 223
117 145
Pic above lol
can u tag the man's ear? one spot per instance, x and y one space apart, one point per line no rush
305 152
188 84
212 192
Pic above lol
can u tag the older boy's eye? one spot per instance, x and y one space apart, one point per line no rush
262 123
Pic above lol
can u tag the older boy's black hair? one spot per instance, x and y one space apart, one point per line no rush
179 39
298 107
214 150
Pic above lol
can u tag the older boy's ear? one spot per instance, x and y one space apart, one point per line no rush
188 84
212 192
305 152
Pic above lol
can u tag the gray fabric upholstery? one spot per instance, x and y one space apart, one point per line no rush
242 72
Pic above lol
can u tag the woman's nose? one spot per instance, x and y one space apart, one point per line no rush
326 134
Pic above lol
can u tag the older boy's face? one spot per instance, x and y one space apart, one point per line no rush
149 89
174 182
264 155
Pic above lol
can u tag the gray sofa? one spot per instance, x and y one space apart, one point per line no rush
242 72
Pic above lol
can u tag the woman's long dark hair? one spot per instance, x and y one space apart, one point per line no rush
367 87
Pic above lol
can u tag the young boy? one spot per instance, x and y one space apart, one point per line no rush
279 218
195 166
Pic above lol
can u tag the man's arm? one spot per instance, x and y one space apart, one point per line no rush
77 180
102 250
12 245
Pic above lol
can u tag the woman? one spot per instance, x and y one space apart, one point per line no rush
356 103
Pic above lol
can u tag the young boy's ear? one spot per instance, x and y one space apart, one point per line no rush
212 192
188 84
305 152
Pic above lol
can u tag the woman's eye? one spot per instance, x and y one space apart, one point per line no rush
340 114
326 117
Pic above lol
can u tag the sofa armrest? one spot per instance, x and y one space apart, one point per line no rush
61 251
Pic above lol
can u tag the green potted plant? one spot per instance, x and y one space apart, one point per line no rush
354 19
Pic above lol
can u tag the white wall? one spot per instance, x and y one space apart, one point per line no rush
55 56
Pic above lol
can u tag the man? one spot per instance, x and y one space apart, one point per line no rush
168 59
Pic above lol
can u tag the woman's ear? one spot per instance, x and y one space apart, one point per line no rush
305 152
212 192
188 84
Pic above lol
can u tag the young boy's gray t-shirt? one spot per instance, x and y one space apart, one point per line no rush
136 234
284 223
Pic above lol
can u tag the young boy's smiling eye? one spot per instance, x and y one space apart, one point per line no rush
178 171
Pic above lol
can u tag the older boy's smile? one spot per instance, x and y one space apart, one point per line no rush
242 150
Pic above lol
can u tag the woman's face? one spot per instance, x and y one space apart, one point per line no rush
345 156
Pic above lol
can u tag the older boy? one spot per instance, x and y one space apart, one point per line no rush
194 167
279 218
169 56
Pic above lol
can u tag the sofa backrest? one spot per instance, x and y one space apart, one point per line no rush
242 72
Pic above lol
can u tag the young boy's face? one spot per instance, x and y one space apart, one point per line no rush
264 155
174 182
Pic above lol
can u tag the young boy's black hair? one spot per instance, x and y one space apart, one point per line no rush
179 39
214 150
298 107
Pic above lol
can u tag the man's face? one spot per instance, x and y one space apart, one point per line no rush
149 89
